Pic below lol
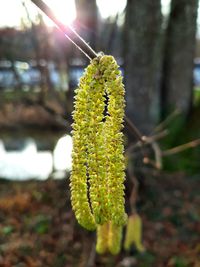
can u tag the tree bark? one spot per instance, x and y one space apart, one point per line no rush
142 47
177 81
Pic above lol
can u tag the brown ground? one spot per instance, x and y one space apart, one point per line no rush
38 229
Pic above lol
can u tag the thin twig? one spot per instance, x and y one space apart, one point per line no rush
78 41
151 162
132 147
181 148
156 137
171 116
134 130
92 255
134 194
158 155
68 31
134 191
149 140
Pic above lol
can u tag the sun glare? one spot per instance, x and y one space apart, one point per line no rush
165 4
111 7
64 10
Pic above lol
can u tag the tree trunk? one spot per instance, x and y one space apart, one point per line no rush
142 47
87 20
177 81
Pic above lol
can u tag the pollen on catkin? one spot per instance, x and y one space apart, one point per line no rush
97 177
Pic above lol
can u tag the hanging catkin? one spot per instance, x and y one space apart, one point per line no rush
134 233
114 138
102 238
97 177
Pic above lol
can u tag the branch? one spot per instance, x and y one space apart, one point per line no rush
171 116
78 41
158 155
134 191
156 137
151 162
92 255
146 140
181 148
134 130
70 33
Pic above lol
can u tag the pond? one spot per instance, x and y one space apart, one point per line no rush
27 161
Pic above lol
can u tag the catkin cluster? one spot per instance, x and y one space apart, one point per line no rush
97 177
109 236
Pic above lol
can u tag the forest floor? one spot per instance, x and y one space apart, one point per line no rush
38 228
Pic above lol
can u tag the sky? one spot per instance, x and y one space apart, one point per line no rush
12 11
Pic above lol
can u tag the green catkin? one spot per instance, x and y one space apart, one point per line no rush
102 238
134 233
114 238
114 139
96 147
97 177
80 133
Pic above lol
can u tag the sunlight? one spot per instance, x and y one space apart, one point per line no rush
12 12
62 154
165 4
64 10
8 15
25 164
110 8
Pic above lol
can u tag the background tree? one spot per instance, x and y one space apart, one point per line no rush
87 20
152 51
177 81
142 50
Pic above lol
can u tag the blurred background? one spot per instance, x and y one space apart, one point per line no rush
157 45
